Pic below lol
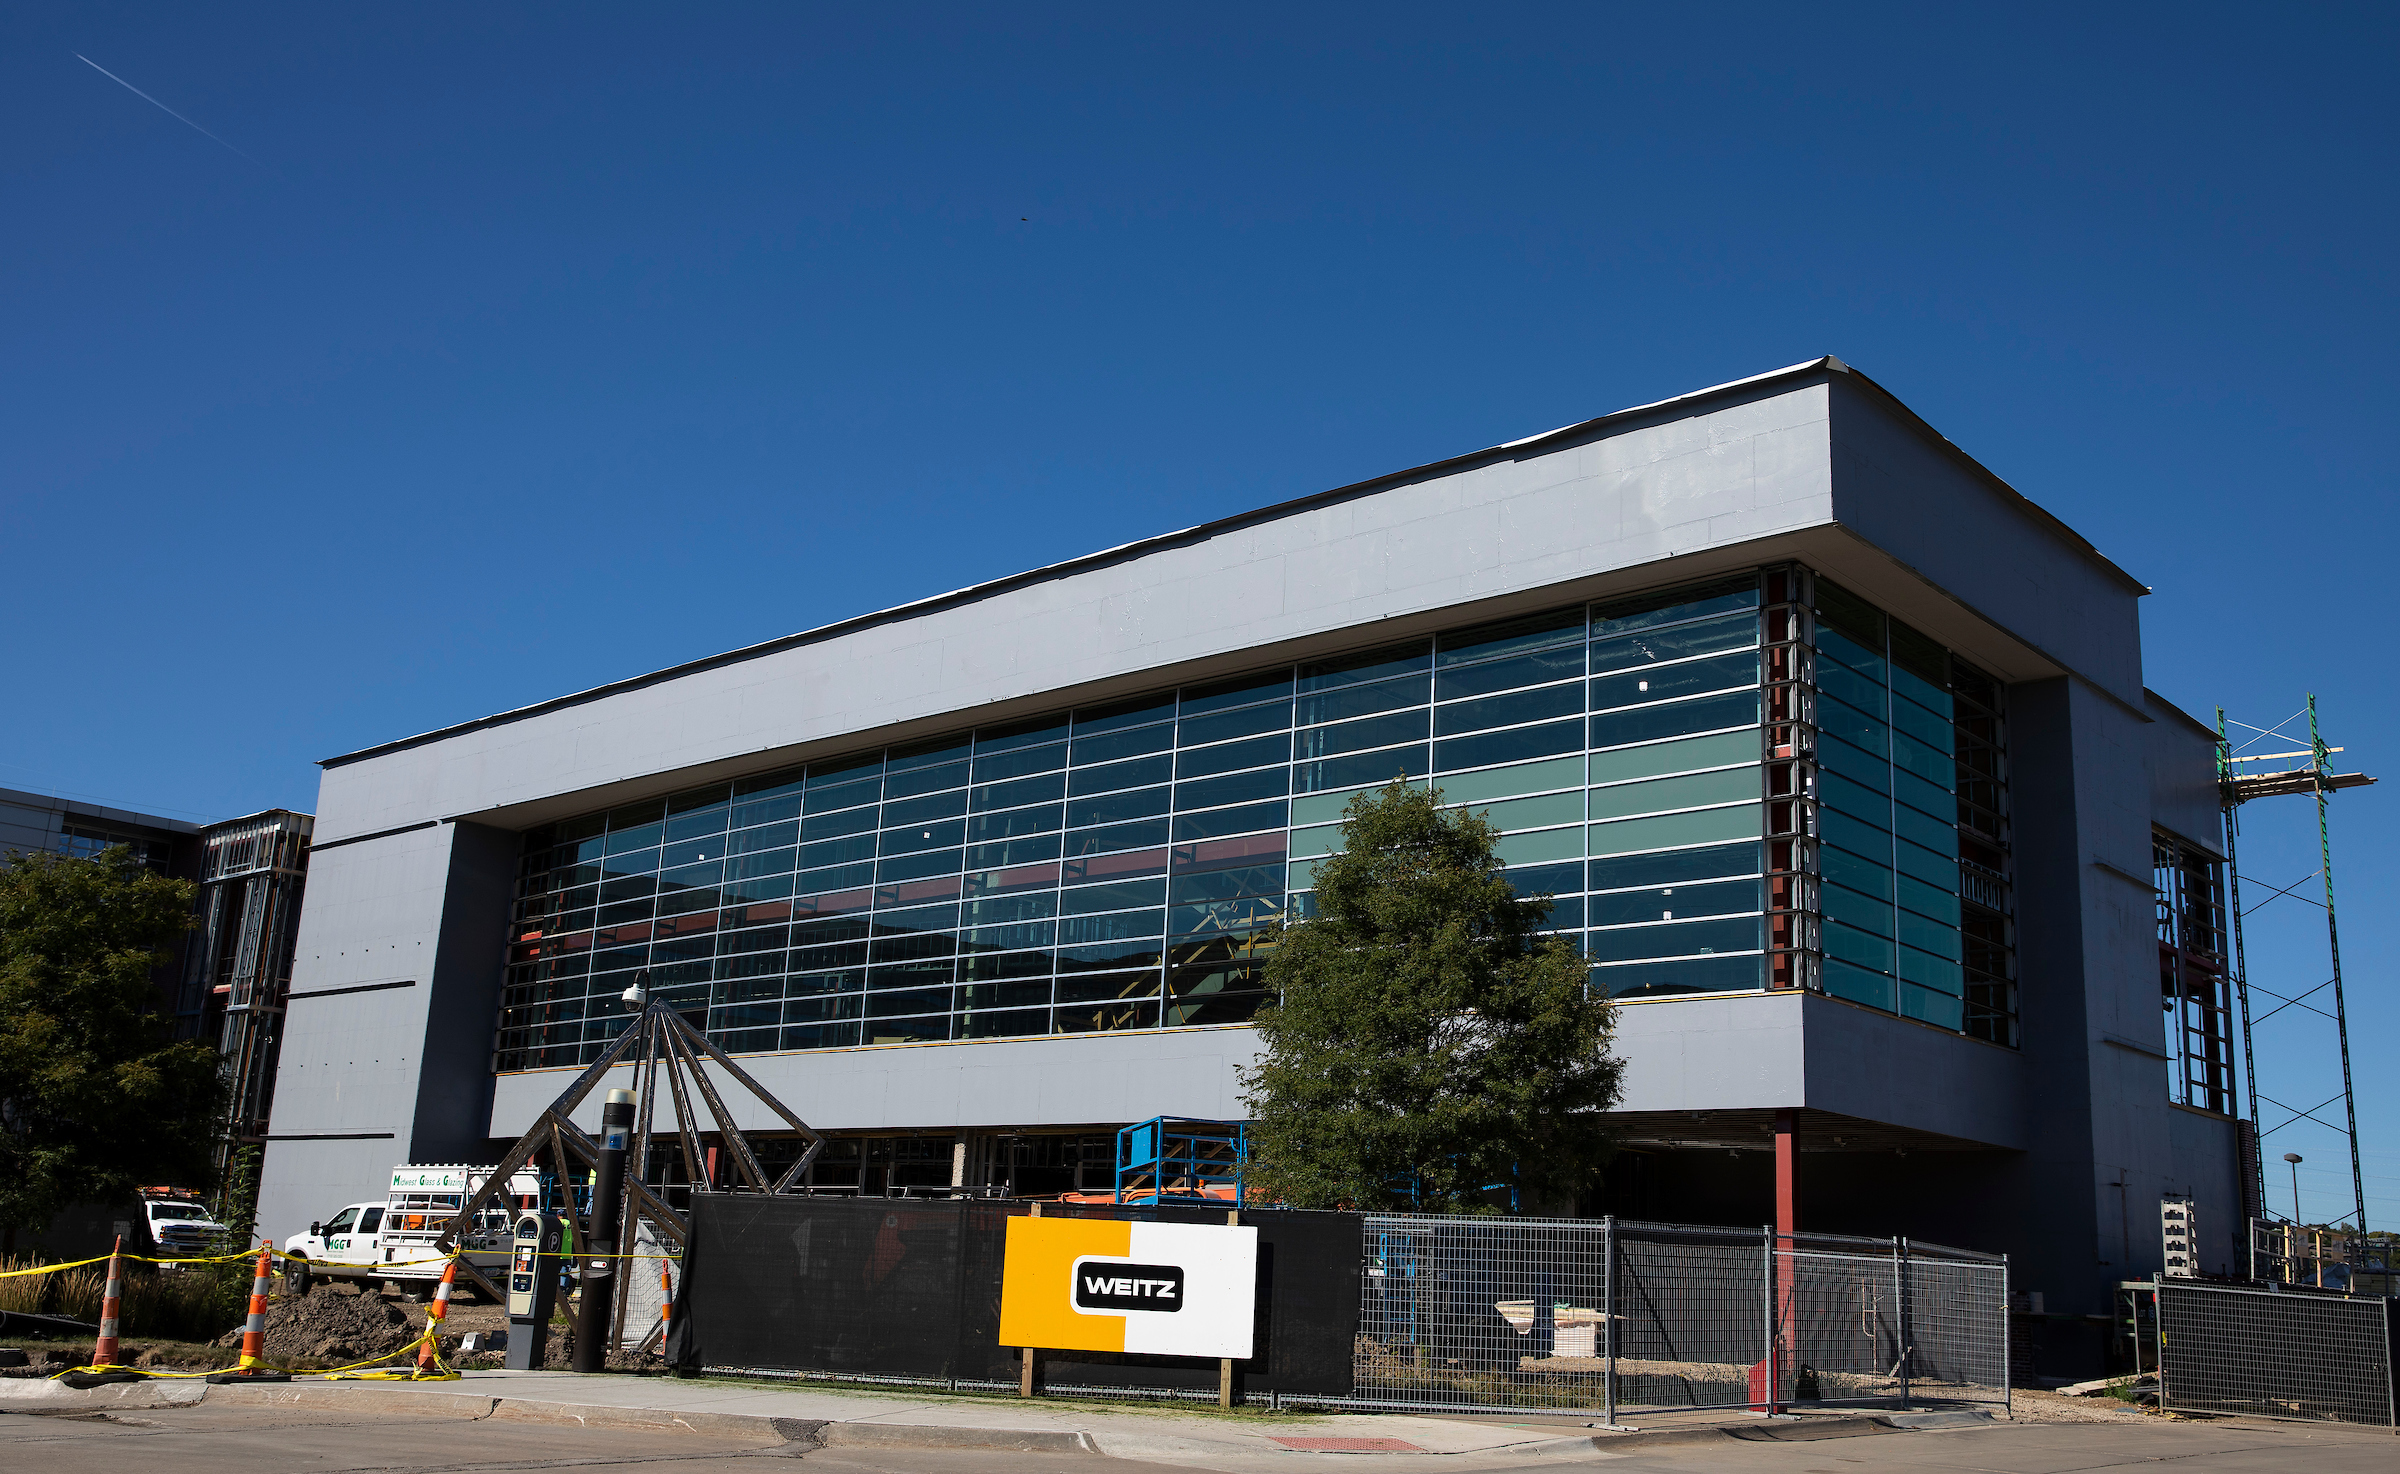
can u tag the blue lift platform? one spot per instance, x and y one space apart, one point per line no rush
1178 1159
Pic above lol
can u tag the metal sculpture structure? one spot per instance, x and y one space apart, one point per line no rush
659 1041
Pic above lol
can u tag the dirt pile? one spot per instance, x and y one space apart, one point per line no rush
332 1325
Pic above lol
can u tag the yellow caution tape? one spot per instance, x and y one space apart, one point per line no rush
289 1257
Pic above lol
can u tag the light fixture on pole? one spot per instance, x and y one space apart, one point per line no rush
2294 1159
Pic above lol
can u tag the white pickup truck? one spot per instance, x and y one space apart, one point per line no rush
394 1240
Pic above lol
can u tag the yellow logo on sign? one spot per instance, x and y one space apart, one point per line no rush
1037 1307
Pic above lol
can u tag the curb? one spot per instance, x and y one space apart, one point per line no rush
1816 1428
915 1435
762 1427
44 1396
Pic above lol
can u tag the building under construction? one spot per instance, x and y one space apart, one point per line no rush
1832 747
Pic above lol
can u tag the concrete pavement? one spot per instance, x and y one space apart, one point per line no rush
497 1420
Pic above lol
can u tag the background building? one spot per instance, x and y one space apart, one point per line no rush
226 982
1833 748
36 823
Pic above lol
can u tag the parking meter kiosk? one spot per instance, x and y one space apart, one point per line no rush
532 1289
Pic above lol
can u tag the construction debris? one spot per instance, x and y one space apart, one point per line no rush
332 1325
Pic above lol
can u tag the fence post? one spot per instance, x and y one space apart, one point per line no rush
2391 1380
2158 1324
1769 1363
1225 1365
1900 1342
1025 1353
1608 1312
2008 1331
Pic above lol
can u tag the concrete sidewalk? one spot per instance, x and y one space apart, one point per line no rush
820 1415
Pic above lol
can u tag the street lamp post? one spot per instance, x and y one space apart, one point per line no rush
2294 1159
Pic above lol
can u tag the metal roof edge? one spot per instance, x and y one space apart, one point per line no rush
2197 725
1138 548
2041 515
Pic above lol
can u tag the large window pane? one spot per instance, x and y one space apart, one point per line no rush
1713 974
1675 719
1675 902
1676 939
1651 647
1690 791
1241 820
1234 788
1537 845
1374 665
1667 682
1225 725
1515 709
1654 610
1138 773
1664 831
1538 812
1363 769
1723 749
1111 746
1240 691
1508 782
1229 756
1514 745
1403 726
984 828
1622 871
1344 702
1537 669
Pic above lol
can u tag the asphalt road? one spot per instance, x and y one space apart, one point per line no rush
224 1439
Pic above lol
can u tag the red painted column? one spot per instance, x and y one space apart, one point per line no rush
1787 1175
1787 1224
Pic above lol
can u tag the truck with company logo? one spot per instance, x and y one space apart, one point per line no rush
393 1240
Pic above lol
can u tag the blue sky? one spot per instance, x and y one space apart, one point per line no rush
492 356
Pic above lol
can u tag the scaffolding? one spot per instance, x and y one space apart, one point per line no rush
238 964
2245 773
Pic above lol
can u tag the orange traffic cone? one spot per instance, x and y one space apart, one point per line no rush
429 1362
104 1352
253 1366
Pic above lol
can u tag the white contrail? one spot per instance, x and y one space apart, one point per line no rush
162 107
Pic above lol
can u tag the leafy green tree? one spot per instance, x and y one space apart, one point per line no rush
94 1096
1430 1051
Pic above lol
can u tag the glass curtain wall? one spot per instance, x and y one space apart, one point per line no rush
1121 867
1912 795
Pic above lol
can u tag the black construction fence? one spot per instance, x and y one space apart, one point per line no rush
908 1290
2276 1352
1372 1310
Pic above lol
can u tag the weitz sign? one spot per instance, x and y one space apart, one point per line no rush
1102 1284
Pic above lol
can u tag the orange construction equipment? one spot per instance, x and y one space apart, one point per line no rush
104 1353
429 1361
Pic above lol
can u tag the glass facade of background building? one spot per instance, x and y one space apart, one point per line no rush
1754 783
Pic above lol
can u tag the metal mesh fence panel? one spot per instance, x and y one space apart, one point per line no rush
1692 1309
1481 1312
1956 1328
2277 1355
1605 1316
1842 1326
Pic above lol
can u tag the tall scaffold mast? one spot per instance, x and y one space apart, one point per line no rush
2243 776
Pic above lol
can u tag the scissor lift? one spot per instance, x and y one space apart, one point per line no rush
1178 1159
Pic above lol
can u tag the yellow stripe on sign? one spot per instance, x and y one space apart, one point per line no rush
1037 1283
